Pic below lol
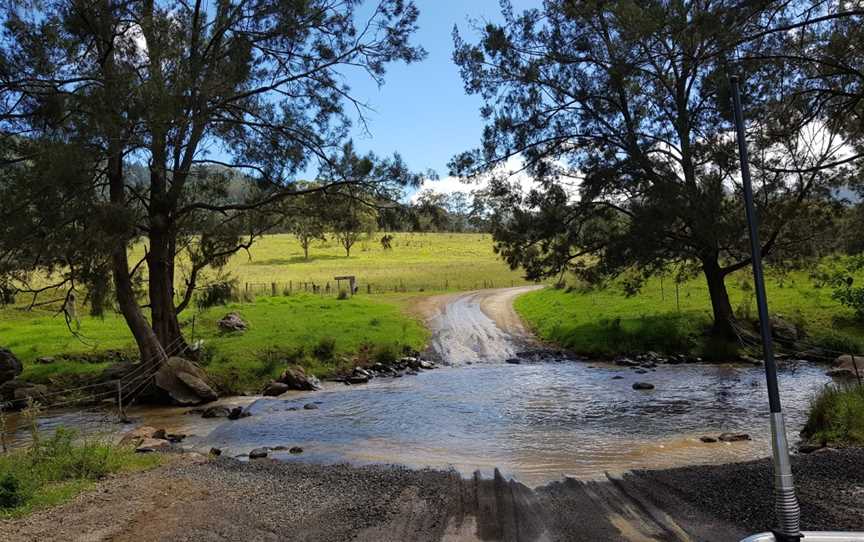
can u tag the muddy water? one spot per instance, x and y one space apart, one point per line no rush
535 422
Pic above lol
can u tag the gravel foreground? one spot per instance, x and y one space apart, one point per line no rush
198 499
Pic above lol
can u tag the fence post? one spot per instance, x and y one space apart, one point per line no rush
273 288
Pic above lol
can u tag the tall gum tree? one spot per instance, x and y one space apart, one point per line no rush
251 86
620 111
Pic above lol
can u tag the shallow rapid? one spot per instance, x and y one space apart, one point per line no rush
536 422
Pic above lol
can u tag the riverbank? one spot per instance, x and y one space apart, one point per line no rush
608 322
323 335
195 498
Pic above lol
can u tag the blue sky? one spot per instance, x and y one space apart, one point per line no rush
422 111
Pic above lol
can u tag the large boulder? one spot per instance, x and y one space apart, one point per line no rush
10 366
184 383
297 379
232 322
197 385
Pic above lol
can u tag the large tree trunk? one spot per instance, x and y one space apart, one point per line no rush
163 314
724 317
149 347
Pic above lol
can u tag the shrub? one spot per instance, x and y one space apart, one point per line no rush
325 349
836 416
217 293
386 354
11 491
837 342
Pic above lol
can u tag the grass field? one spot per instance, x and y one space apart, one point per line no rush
427 261
279 327
608 322
283 326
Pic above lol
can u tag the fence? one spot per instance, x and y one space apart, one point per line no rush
331 288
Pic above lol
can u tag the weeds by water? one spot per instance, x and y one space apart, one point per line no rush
53 470
837 416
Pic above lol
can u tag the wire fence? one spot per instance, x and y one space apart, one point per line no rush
250 290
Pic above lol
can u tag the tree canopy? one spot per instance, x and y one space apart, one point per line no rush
621 112
205 96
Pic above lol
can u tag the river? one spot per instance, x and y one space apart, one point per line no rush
535 421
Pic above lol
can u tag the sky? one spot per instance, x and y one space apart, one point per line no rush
422 110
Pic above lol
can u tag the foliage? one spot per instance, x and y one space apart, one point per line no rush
836 416
217 293
845 289
97 90
58 468
624 123
325 349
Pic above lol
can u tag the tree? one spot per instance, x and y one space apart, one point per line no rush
253 86
620 111
306 218
352 219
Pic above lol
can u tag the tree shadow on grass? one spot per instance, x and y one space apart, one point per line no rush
666 333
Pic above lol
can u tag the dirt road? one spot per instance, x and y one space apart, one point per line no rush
225 500
475 327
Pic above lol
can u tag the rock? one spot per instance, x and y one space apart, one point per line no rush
640 371
45 360
258 453
175 438
841 373
216 452
10 366
708 440
643 386
514 361
358 376
296 450
237 413
149 445
626 362
617 377
809 447
232 323
275 389
216 412
18 392
297 379
427 365
310 406
845 365
734 437
197 385
138 435
784 330
189 389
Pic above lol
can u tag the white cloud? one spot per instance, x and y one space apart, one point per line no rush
513 169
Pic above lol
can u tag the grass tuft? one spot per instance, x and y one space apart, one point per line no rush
58 468
836 416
